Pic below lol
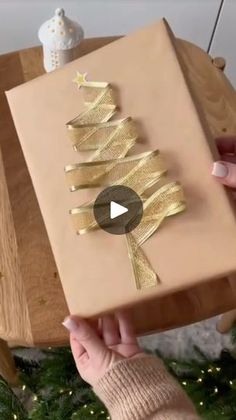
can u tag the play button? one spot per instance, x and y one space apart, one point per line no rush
118 210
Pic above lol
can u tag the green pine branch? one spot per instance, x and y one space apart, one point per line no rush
10 405
55 390
233 334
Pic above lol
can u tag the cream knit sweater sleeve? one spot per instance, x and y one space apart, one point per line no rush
141 388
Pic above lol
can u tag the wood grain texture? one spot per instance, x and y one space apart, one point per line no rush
42 296
212 90
185 307
14 316
37 278
7 366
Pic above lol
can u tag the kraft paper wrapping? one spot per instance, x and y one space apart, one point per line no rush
193 247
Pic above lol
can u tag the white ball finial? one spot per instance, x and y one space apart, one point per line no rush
60 12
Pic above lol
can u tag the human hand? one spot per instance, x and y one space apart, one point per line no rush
225 169
97 347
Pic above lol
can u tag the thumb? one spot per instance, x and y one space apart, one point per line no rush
86 336
225 172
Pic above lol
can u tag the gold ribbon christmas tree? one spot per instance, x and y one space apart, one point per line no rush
93 129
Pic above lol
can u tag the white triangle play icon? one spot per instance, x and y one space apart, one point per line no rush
117 210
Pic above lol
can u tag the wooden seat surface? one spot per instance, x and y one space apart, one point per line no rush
32 303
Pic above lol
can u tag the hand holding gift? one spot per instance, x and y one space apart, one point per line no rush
96 348
131 384
225 170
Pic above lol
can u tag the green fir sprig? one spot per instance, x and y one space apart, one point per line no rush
55 391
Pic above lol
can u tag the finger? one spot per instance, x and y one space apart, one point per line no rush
226 144
110 330
79 353
78 350
94 323
75 345
86 336
225 172
126 328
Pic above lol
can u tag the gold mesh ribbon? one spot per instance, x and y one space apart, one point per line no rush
109 165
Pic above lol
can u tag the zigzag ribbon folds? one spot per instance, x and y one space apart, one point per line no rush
111 140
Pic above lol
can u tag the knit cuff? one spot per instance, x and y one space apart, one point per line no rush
136 388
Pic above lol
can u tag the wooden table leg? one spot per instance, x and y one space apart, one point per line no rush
228 319
7 366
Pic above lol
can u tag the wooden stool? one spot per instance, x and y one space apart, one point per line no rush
32 303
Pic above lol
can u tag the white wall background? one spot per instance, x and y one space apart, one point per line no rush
224 43
190 19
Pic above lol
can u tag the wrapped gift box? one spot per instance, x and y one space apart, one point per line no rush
154 86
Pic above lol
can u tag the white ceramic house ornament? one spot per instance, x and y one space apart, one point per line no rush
60 36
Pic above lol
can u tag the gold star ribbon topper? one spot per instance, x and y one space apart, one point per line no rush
80 79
